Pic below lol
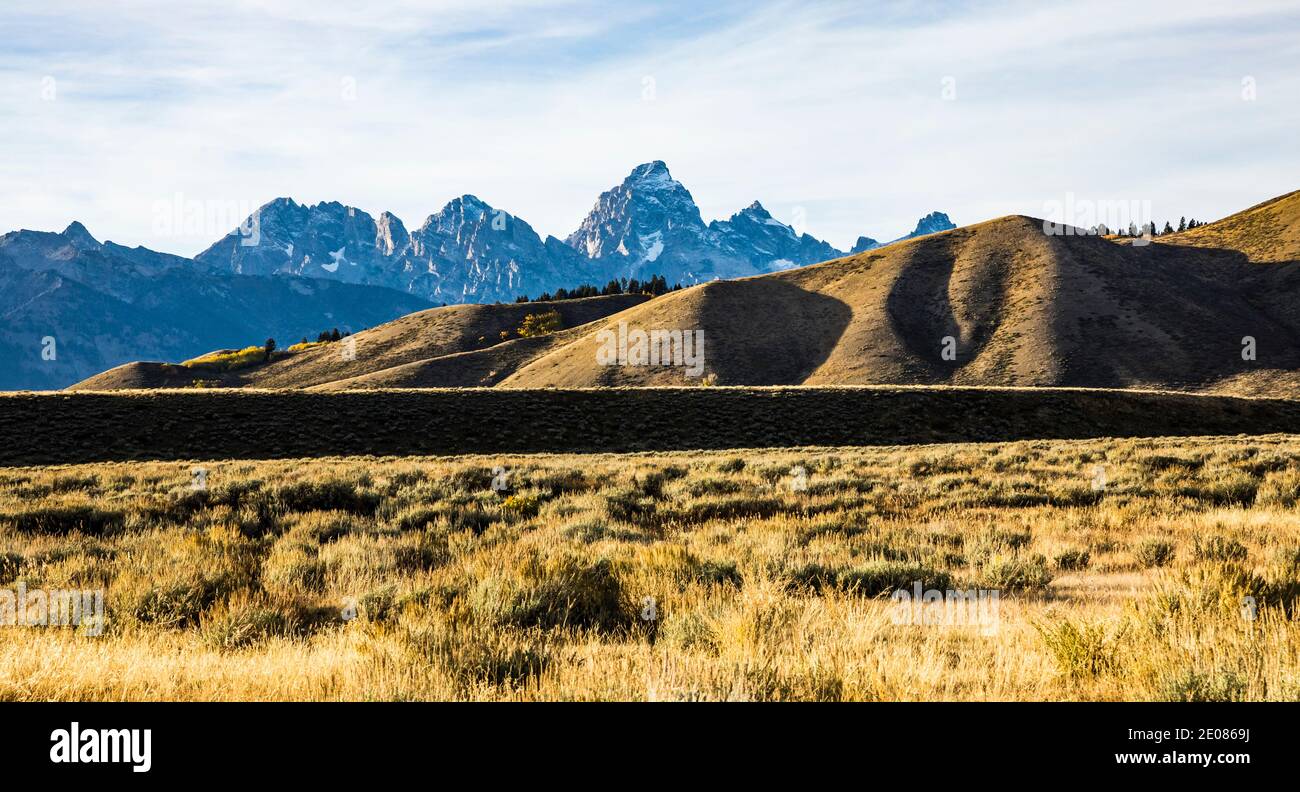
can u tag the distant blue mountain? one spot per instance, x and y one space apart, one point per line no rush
471 251
71 307
932 223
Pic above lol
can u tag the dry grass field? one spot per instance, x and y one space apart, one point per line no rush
1125 569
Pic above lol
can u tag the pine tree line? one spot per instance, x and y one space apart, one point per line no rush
657 285
330 335
1149 229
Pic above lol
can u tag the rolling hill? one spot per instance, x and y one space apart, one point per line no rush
999 303
1022 308
1266 232
432 334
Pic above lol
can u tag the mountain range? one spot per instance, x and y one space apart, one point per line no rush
1007 302
71 306
292 270
471 252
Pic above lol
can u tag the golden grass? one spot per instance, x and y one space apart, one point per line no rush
676 576
1266 232
229 359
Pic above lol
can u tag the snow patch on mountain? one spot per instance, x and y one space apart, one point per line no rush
652 246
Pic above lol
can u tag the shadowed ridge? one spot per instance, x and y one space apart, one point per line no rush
139 375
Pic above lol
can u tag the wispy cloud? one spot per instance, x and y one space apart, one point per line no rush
836 108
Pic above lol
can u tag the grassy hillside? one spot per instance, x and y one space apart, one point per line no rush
1022 308
1266 232
197 424
1124 569
420 336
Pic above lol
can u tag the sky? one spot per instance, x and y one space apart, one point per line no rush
163 124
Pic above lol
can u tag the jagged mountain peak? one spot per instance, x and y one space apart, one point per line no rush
391 234
470 201
647 216
646 224
864 243
465 208
933 223
653 181
335 209
281 204
288 210
470 211
80 238
650 173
